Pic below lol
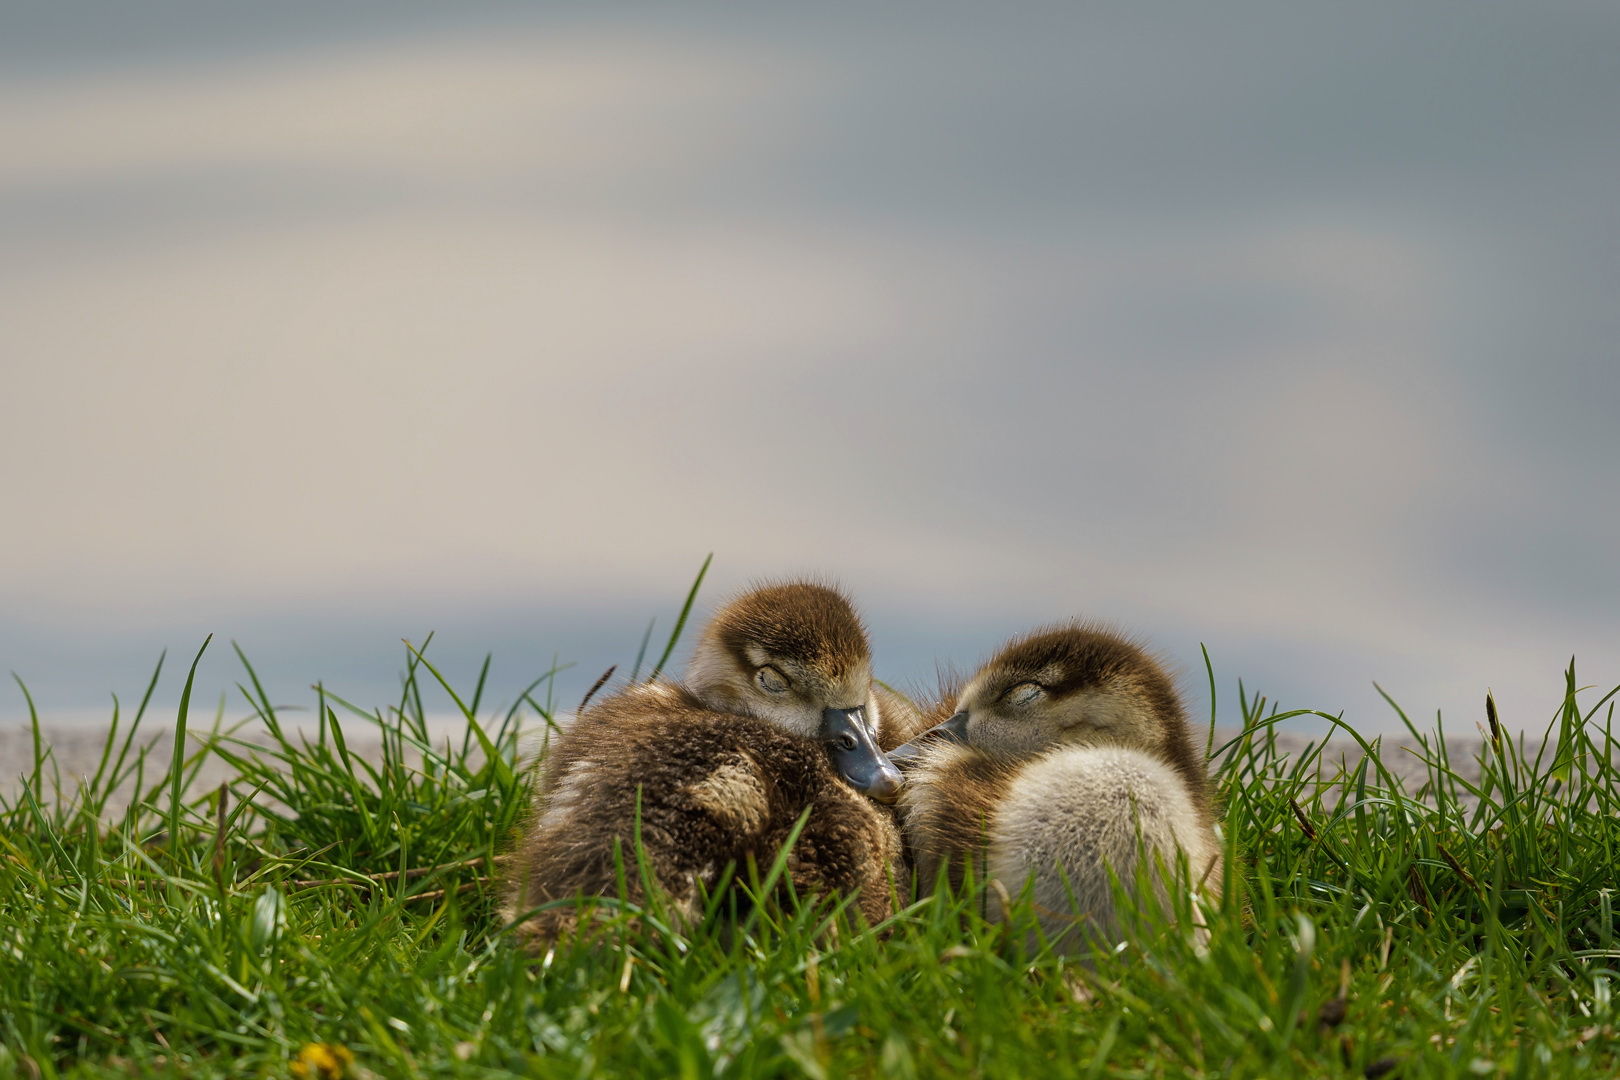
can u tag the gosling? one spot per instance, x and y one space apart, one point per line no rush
777 715
1068 760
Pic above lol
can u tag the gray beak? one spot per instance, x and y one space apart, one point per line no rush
856 756
952 730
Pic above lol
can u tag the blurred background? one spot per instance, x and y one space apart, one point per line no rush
1288 330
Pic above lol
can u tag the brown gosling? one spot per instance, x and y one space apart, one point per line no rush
1068 756
777 714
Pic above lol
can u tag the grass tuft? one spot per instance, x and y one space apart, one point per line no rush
328 913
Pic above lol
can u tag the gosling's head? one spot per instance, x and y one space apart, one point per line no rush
1067 685
796 655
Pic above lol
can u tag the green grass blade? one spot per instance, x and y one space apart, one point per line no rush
641 651
177 761
680 623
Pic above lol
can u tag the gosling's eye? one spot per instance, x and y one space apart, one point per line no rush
772 681
1023 693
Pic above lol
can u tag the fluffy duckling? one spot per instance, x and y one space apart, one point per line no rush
777 714
1068 755
797 655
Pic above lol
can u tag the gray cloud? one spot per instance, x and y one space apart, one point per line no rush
1287 331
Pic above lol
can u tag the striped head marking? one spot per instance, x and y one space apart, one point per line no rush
1066 685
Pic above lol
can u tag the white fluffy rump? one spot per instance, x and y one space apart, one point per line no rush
1073 814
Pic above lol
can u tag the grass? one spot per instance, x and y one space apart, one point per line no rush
325 915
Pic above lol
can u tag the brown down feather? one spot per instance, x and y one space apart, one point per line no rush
651 751
810 621
952 832
1092 656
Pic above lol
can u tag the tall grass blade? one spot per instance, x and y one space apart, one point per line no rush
680 623
177 762
33 727
641 650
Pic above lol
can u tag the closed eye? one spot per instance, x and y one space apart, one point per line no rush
771 680
1023 693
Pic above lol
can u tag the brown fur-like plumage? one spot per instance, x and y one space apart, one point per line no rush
718 771
901 718
952 828
1091 657
1077 755
799 619
712 790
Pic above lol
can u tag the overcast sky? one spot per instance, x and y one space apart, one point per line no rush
1289 330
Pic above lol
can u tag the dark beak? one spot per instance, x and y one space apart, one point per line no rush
952 730
856 756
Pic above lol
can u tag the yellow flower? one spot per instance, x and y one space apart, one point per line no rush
322 1061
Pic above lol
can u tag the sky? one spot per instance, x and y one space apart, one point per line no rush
1282 331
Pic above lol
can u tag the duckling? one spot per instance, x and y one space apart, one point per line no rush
777 714
1068 756
780 653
